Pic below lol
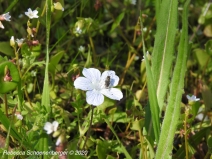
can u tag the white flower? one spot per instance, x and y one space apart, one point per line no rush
58 6
33 73
1 25
31 14
98 85
133 2
192 98
78 30
20 41
147 55
81 49
6 16
19 116
12 41
51 127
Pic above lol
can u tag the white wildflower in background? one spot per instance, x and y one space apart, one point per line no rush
20 42
19 116
51 127
147 55
58 6
1 25
20 16
31 14
81 49
33 73
133 2
97 85
192 98
78 30
5 16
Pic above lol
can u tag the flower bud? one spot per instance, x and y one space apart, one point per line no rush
56 133
58 6
12 41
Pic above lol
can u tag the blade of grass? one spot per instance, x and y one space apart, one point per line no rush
162 56
11 5
152 94
45 95
176 89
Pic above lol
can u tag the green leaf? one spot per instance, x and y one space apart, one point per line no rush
209 143
172 113
7 86
117 21
45 95
162 56
208 47
54 61
137 125
6 122
6 49
119 117
202 57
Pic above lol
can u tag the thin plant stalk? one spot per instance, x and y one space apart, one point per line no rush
185 130
89 130
5 103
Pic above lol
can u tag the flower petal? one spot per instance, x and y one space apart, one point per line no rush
92 74
1 25
58 141
48 127
83 84
112 93
114 79
94 98
55 125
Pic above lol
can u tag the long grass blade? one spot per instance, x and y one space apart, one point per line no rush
162 56
176 89
45 95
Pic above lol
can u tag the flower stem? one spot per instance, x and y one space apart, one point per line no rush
6 106
89 130
185 129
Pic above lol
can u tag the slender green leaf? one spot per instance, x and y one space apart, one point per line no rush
152 95
11 5
172 113
162 56
117 21
153 100
45 95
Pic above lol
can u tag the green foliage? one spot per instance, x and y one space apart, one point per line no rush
11 71
146 44
162 56
176 90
